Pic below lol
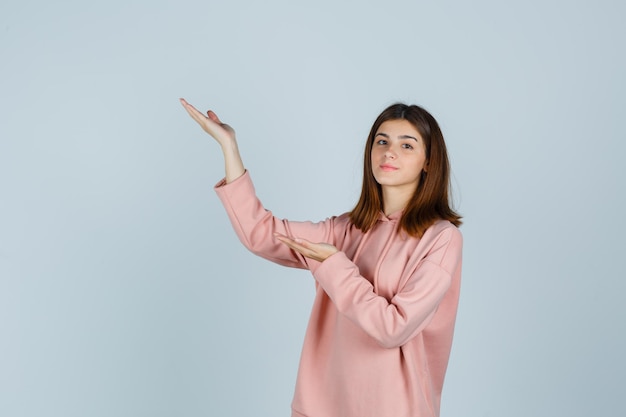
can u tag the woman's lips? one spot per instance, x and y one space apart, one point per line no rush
388 168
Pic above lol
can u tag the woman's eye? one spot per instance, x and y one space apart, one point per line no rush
407 146
381 142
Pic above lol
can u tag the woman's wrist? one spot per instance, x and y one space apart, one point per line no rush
232 161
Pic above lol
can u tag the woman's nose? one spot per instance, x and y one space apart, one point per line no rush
389 153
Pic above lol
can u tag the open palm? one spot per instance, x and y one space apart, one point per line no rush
211 124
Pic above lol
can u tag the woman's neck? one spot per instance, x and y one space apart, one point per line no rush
396 198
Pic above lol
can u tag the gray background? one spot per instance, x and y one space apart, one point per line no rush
123 290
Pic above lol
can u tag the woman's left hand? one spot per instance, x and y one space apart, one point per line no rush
317 251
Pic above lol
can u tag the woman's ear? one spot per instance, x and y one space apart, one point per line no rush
425 168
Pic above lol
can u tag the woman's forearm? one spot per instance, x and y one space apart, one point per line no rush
233 165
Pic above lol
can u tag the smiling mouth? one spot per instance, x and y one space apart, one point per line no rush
388 168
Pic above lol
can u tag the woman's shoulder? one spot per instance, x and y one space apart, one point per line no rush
442 244
342 218
341 221
441 225
443 230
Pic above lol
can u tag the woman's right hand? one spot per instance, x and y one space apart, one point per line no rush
221 132
224 135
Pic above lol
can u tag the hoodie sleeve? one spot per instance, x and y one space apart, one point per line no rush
255 226
394 322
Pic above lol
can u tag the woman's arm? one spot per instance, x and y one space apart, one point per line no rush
256 227
259 230
224 135
392 323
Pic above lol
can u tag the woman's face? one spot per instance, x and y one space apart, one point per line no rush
398 155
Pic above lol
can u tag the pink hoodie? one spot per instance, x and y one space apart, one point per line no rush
380 332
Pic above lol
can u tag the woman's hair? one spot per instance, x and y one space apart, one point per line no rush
430 200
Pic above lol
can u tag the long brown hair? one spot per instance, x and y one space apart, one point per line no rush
430 200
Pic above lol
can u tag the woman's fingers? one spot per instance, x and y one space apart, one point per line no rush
224 135
297 245
317 251
209 122
289 242
213 116
193 112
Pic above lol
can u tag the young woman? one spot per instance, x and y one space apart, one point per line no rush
387 273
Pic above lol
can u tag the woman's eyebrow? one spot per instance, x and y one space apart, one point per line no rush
399 137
